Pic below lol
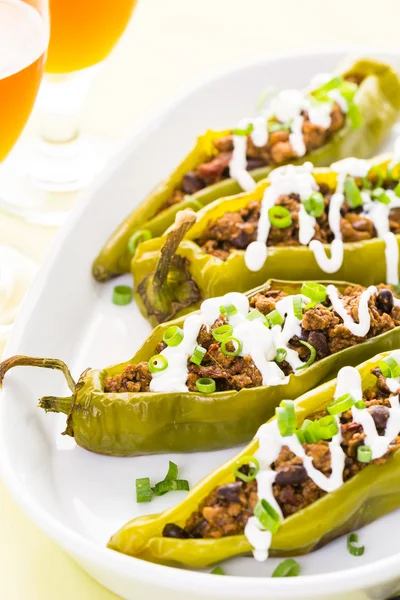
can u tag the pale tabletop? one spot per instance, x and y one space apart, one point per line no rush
169 46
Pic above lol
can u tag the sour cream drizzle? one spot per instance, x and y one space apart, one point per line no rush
299 180
287 107
271 443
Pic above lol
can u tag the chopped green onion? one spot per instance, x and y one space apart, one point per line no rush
348 90
326 427
360 404
298 307
255 314
312 355
352 539
352 193
143 490
315 205
275 318
245 131
300 432
380 195
364 454
267 516
287 568
157 363
221 333
231 340
310 305
274 127
172 471
332 84
389 367
397 190
122 294
245 460
217 571
206 385
170 485
315 291
229 310
198 355
341 404
280 355
280 217
173 336
137 238
286 417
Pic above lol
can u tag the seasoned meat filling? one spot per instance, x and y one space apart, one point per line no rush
226 510
321 327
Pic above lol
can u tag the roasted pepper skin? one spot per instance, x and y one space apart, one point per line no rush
372 493
378 99
131 424
215 277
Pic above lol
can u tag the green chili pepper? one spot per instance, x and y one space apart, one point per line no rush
368 495
207 275
378 101
128 424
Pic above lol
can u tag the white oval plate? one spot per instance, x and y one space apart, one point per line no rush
79 499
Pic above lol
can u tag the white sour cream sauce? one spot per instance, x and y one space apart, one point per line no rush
299 180
271 443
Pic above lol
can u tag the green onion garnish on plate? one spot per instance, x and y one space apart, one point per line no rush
198 355
267 516
352 540
143 490
315 205
280 217
287 568
122 295
157 363
247 460
205 385
173 336
137 238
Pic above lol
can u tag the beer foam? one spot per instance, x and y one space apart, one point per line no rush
24 35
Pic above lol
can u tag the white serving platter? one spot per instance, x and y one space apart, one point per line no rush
79 499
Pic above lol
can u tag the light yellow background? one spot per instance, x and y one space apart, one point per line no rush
170 45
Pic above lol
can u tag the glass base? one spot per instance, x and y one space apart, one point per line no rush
41 181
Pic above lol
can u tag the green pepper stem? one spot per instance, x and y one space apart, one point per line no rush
183 222
29 361
56 404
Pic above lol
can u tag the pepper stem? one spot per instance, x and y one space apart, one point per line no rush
29 361
183 222
56 404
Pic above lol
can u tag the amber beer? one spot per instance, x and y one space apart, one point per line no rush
83 32
23 41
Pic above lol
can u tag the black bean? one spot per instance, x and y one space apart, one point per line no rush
192 183
255 163
380 415
304 334
384 301
291 474
174 531
230 491
320 343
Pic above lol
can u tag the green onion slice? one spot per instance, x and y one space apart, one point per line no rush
298 307
143 490
275 318
315 291
287 568
360 404
254 315
352 193
275 126
364 454
389 367
137 238
380 195
341 404
122 294
206 385
267 516
172 471
286 417
280 355
229 310
173 336
315 205
236 343
198 355
326 427
352 540
280 217
170 485
217 571
245 131
312 358
397 190
245 460
221 333
157 363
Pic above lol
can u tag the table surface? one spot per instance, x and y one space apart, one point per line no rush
168 47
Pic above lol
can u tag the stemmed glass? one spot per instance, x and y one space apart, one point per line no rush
24 35
63 161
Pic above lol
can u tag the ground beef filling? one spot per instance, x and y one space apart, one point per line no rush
276 152
320 327
227 509
235 231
